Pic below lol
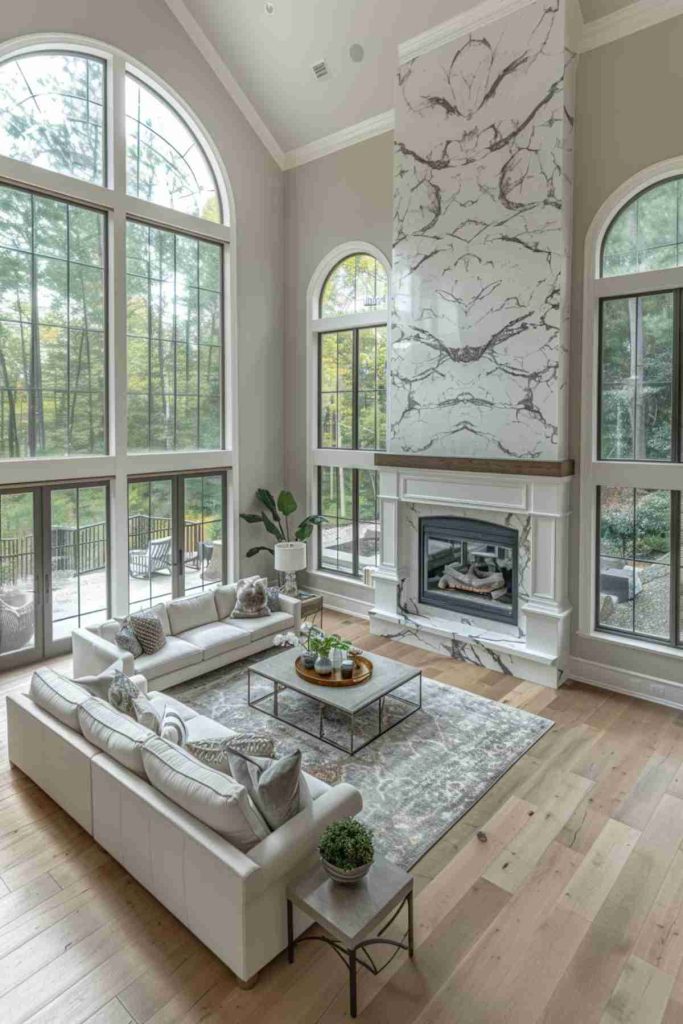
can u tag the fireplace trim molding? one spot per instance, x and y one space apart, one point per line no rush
539 652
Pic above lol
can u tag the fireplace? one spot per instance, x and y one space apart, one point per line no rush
469 566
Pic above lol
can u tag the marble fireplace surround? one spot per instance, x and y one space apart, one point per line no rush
538 508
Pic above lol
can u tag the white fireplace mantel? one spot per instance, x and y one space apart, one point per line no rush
536 648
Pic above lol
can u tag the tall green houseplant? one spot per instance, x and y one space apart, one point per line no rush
276 519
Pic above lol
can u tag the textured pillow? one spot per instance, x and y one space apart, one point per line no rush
251 600
273 598
148 630
216 752
114 733
173 727
58 696
146 714
122 691
212 797
127 640
276 787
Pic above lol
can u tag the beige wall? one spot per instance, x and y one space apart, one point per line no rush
149 32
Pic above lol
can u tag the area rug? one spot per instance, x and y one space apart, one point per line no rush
417 780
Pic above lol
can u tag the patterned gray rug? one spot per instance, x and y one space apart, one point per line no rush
417 780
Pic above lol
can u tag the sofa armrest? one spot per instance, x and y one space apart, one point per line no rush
291 605
294 842
92 654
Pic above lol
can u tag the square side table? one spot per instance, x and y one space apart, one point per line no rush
351 914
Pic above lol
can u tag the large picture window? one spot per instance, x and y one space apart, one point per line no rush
349 541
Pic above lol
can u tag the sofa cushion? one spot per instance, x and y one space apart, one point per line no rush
189 612
174 655
115 733
215 638
58 696
257 629
213 798
225 598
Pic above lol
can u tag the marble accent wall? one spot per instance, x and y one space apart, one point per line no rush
482 197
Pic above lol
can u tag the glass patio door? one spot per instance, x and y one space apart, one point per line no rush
21 624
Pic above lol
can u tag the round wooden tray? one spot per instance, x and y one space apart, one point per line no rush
361 673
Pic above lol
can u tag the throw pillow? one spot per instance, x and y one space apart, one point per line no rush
215 753
273 598
98 686
127 640
277 787
146 714
173 727
251 600
122 692
148 630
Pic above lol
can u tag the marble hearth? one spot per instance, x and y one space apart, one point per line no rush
537 509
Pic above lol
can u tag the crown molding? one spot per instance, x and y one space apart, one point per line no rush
367 129
222 71
637 16
468 21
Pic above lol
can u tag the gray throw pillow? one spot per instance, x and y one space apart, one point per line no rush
216 753
173 727
251 600
122 692
273 598
146 714
277 788
99 685
148 630
127 640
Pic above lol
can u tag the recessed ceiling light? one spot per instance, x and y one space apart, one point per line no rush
356 53
269 7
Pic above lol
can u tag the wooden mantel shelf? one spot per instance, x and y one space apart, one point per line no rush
514 467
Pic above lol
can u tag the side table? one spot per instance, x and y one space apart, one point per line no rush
351 914
311 607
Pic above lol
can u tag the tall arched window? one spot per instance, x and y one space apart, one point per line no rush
113 254
350 340
632 438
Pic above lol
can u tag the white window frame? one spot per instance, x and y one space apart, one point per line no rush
315 326
595 472
111 198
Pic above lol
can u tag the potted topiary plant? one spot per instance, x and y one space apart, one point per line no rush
347 850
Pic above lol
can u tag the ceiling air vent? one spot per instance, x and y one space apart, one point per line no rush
320 69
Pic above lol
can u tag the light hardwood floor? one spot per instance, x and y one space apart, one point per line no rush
570 912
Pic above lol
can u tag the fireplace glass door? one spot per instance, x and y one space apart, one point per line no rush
469 567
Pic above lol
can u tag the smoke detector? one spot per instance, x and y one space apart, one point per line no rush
320 69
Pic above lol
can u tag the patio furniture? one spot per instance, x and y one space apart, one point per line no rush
156 557
17 620
214 569
200 558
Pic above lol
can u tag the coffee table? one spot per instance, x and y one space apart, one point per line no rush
387 677
352 914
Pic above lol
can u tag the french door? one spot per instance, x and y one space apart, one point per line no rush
177 536
54 567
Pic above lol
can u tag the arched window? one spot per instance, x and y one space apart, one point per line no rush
350 340
631 474
111 344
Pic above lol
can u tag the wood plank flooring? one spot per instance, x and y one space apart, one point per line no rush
570 912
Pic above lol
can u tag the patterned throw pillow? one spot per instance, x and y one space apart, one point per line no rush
173 727
122 692
251 600
127 640
146 714
148 631
273 598
214 753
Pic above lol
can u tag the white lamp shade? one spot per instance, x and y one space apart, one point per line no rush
290 556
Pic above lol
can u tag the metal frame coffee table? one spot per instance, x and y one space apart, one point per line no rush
352 915
387 677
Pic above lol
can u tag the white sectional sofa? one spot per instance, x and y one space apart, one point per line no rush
200 636
233 901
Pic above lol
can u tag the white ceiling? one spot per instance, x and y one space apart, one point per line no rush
271 56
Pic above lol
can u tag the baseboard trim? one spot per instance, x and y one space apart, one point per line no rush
631 684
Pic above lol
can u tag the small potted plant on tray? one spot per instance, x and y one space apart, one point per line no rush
347 850
324 645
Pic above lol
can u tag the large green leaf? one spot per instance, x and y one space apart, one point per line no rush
304 531
254 551
267 499
286 502
251 517
272 527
